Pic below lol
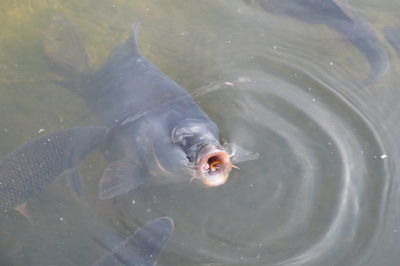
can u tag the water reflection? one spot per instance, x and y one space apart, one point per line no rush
324 190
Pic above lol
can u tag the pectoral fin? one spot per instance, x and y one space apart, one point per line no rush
74 181
239 154
23 209
119 178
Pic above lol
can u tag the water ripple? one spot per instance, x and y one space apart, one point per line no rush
314 196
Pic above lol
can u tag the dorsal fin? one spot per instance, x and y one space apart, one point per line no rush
134 37
126 50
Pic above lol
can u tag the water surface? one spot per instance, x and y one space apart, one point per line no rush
325 189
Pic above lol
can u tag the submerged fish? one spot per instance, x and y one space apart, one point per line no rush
158 133
142 247
29 169
342 18
392 35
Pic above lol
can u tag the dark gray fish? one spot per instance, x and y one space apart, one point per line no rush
142 247
29 169
392 35
157 128
342 18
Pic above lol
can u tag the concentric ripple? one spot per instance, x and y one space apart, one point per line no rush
314 196
325 189
317 194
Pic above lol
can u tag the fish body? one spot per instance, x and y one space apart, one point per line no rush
30 168
157 130
142 247
392 35
342 18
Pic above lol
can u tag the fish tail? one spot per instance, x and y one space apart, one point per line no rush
379 64
66 54
364 39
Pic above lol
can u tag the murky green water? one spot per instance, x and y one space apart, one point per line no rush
325 189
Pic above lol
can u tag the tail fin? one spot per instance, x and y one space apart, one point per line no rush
362 36
63 47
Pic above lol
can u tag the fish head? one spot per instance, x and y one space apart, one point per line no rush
212 165
199 140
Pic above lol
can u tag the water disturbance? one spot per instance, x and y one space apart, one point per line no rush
325 187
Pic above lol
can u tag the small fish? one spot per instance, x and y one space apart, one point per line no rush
342 18
29 169
158 133
142 247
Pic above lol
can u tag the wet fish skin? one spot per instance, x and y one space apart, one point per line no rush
142 247
130 92
129 89
160 125
342 18
156 127
30 168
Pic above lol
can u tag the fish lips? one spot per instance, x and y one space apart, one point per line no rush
213 166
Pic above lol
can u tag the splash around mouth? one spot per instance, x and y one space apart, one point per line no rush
213 166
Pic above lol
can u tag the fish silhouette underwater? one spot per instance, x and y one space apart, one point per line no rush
392 35
142 247
30 168
152 129
158 134
342 18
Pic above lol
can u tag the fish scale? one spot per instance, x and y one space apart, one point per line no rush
30 168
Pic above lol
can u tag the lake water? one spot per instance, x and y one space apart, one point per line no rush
325 189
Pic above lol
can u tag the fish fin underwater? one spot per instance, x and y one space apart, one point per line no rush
119 178
239 154
141 248
67 56
392 35
29 169
66 52
74 181
134 45
361 35
24 210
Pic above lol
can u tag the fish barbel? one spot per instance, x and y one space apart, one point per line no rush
158 133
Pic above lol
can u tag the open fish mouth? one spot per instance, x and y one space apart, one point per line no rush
213 166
